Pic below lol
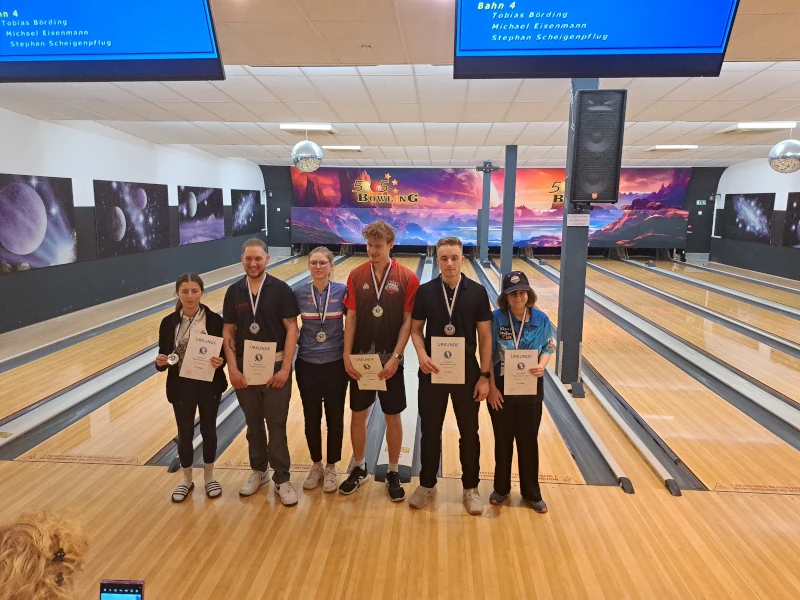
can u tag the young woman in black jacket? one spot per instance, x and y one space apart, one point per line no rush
189 395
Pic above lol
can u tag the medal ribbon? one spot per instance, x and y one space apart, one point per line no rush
178 336
379 290
254 304
451 305
517 338
324 312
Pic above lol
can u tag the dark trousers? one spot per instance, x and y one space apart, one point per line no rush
324 384
432 409
520 422
191 398
260 405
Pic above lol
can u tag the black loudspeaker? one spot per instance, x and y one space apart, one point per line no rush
599 119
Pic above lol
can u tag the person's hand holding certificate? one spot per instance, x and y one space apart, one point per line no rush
369 366
448 354
197 360
518 379
259 361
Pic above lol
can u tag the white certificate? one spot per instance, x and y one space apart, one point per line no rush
518 380
448 353
197 360
259 361
369 365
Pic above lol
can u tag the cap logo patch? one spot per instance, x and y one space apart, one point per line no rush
514 279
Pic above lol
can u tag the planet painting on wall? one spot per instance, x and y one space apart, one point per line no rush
247 211
791 226
200 214
36 222
130 217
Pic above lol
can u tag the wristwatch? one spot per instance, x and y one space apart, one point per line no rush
399 357
486 374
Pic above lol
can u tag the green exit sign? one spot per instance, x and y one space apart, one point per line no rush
701 203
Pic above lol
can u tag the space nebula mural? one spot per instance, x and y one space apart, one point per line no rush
36 222
791 227
247 212
200 214
130 217
748 217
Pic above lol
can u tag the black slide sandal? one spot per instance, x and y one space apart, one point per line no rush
180 493
213 489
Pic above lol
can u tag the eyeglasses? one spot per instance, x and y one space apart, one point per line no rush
318 263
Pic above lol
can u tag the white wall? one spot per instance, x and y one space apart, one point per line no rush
84 151
756 177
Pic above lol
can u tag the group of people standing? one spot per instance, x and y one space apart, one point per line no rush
382 306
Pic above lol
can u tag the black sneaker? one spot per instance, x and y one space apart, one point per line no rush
396 491
357 477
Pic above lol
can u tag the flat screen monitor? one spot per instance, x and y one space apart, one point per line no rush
108 40
589 38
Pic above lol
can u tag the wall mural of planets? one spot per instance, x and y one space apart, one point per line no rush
130 217
201 215
748 217
36 222
791 226
247 212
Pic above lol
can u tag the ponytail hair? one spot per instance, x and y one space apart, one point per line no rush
186 278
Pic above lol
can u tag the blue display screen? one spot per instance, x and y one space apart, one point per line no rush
588 38
107 40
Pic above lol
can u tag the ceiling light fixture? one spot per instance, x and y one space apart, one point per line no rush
307 127
343 148
759 126
673 147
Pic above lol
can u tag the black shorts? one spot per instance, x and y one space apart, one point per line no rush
393 400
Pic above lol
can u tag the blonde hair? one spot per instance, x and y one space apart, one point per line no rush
380 230
449 241
323 250
39 556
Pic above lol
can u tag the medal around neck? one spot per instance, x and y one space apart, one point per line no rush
450 329
377 311
322 336
255 328
173 359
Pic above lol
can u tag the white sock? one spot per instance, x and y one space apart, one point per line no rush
208 471
393 467
187 475
361 464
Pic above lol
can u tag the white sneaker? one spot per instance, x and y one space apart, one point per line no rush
255 481
314 476
473 501
331 483
286 493
420 496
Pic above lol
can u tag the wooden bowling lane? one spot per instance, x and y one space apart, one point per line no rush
765 277
747 287
722 446
129 430
594 543
772 367
37 380
760 318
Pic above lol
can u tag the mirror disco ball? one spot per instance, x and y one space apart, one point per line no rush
785 156
307 156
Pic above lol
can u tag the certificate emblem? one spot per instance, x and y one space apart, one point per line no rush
203 350
322 336
255 328
367 366
259 357
450 329
448 354
520 366
173 359
377 311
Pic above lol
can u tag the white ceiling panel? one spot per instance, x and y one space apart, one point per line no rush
391 89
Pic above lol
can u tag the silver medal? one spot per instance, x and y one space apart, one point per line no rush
173 359
378 310
322 311
255 328
449 329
